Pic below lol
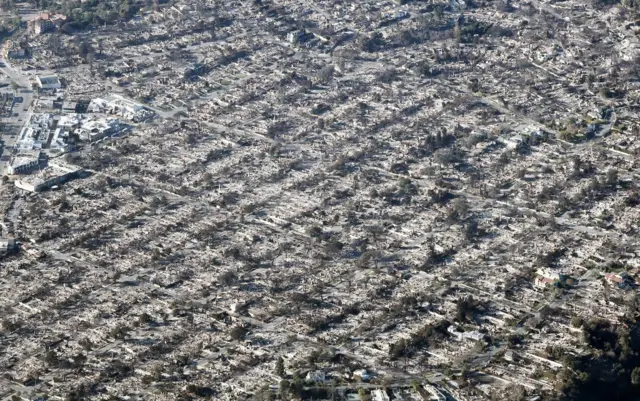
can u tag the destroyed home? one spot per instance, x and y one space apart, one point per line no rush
13 50
407 200
48 177
23 163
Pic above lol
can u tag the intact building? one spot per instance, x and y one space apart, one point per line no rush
546 277
46 22
41 26
36 132
95 130
7 245
48 82
122 107
59 141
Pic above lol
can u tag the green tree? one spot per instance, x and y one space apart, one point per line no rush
280 367
238 333
297 384
84 49
577 321
51 358
612 177
125 9
363 394
635 376
79 360
284 388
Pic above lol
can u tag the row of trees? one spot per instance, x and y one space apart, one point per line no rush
83 14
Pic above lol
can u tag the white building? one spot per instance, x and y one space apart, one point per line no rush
315 376
36 132
59 141
509 356
39 132
362 374
41 26
46 22
379 395
545 277
69 107
7 245
48 82
70 121
470 335
95 130
115 104
23 163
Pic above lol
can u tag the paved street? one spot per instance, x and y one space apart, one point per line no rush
21 111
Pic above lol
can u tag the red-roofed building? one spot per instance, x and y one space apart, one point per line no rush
542 282
621 280
46 22
615 278
545 277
